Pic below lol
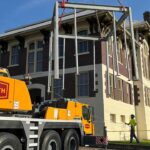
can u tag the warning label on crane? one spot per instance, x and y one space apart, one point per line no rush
4 90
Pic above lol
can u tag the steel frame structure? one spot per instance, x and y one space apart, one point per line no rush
126 12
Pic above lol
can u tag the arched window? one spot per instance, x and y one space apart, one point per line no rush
145 54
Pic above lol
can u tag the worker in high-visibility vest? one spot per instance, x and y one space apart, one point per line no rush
132 124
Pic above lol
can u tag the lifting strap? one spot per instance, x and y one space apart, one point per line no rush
63 3
63 13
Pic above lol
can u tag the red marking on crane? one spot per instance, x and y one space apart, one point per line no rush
87 126
4 90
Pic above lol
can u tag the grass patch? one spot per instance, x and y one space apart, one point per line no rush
143 142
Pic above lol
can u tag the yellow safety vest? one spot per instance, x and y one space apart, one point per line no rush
132 123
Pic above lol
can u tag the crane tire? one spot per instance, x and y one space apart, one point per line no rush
9 141
51 140
70 140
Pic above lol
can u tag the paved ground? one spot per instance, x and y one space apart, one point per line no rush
88 148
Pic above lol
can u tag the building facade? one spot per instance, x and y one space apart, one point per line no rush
25 52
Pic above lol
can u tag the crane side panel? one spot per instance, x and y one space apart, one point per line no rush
6 93
22 100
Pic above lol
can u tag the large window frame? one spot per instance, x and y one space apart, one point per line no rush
35 47
147 96
82 92
120 88
111 86
10 46
83 45
14 55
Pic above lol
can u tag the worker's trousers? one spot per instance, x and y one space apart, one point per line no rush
132 135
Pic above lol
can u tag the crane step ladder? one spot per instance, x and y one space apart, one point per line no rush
33 130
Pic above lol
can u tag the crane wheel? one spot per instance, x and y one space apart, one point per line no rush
70 140
9 142
51 140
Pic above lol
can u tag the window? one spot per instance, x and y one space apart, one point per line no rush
86 113
119 46
147 96
111 86
120 91
128 92
57 88
83 45
122 118
31 62
39 61
113 118
35 56
110 46
15 55
83 84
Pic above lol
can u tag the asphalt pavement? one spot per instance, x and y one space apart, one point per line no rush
89 148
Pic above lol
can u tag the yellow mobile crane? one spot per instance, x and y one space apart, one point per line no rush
61 124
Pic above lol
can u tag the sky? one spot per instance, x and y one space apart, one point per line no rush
16 13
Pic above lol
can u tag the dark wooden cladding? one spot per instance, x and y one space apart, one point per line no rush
5 59
70 86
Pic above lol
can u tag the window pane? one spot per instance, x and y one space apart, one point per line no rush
83 44
83 84
83 32
86 113
110 46
39 44
31 62
30 67
31 57
32 46
39 66
15 55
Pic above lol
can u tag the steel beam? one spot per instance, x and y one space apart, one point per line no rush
90 38
94 7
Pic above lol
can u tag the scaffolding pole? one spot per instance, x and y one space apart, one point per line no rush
133 45
50 63
94 66
115 43
126 50
56 43
107 58
76 41
64 51
94 7
114 64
